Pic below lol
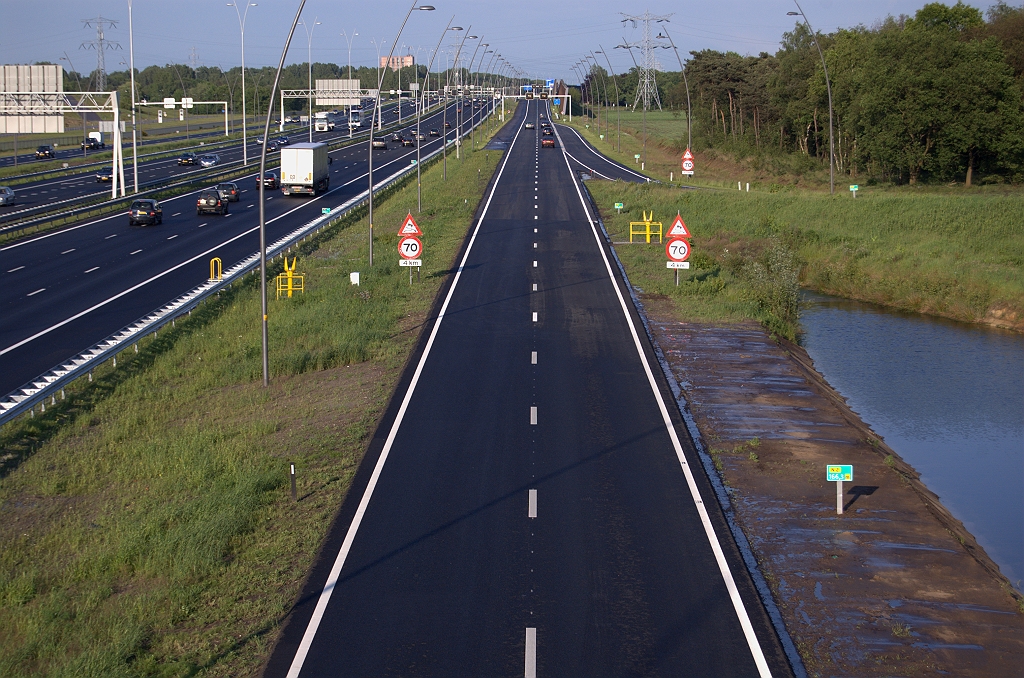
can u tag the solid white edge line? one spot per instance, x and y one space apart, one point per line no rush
593 151
357 519
730 584
530 670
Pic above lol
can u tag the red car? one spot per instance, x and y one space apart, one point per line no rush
547 142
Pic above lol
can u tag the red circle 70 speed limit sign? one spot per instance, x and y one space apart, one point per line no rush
677 249
410 247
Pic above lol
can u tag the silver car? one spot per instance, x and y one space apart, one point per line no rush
6 195
209 160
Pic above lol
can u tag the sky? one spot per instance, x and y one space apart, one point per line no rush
540 37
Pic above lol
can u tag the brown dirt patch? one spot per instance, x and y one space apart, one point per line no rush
891 587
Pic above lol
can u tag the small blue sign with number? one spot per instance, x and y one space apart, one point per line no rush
839 473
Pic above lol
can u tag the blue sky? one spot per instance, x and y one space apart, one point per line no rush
541 37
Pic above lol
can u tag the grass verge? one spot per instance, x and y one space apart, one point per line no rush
956 256
148 525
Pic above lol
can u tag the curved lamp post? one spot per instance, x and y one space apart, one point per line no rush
348 42
309 63
376 112
682 69
241 27
618 120
828 85
425 101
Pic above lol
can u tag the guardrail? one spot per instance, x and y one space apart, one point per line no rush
47 385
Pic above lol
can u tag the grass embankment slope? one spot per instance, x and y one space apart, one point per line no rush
148 528
953 253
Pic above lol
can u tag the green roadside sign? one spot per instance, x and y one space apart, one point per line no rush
618 205
839 473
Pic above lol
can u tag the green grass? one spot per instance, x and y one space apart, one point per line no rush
954 255
148 529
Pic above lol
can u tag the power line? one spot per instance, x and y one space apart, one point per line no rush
647 88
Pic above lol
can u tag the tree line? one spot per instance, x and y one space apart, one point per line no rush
933 97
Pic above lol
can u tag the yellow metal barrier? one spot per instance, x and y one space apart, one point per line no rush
648 227
288 282
216 268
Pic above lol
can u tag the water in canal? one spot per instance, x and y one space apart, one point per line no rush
947 396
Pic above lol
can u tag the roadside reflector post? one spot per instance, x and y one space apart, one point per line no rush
838 473
353 278
293 481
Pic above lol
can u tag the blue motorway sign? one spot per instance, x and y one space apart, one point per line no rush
839 473
558 102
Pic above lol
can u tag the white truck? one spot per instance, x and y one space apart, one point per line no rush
323 122
304 169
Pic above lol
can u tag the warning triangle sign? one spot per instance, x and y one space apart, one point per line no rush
687 155
410 227
678 229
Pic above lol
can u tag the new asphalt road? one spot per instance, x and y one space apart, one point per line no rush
531 504
67 290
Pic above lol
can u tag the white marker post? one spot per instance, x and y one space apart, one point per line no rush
838 473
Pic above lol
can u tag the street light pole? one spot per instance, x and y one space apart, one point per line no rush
419 192
131 67
618 118
348 42
309 63
689 117
263 216
374 42
376 112
828 85
241 26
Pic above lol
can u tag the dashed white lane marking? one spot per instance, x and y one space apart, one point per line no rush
531 652
176 214
30 294
201 225
534 245
531 509
534 287
15 269
251 206
94 268
535 230
534 316
173 236
535 263
110 236
533 358
533 416
136 252
68 251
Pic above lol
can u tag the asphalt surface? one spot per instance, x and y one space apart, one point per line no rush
67 290
83 183
527 505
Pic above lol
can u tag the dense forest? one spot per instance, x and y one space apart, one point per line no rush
933 97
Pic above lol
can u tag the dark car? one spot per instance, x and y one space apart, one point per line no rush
435 132
447 125
396 137
188 159
145 211
547 142
379 145
282 140
273 145
270 180
408 141
92 144
45 152
104 175
229 190
547 132
210 201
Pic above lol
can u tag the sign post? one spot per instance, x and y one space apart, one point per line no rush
838 473
618 208
687 163
409 246
853 190
678 251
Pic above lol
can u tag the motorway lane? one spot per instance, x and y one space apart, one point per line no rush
58 277
523 498
82 184
584 157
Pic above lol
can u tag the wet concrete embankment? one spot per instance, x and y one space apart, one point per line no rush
895 585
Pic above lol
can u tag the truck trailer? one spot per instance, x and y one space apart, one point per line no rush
304 169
